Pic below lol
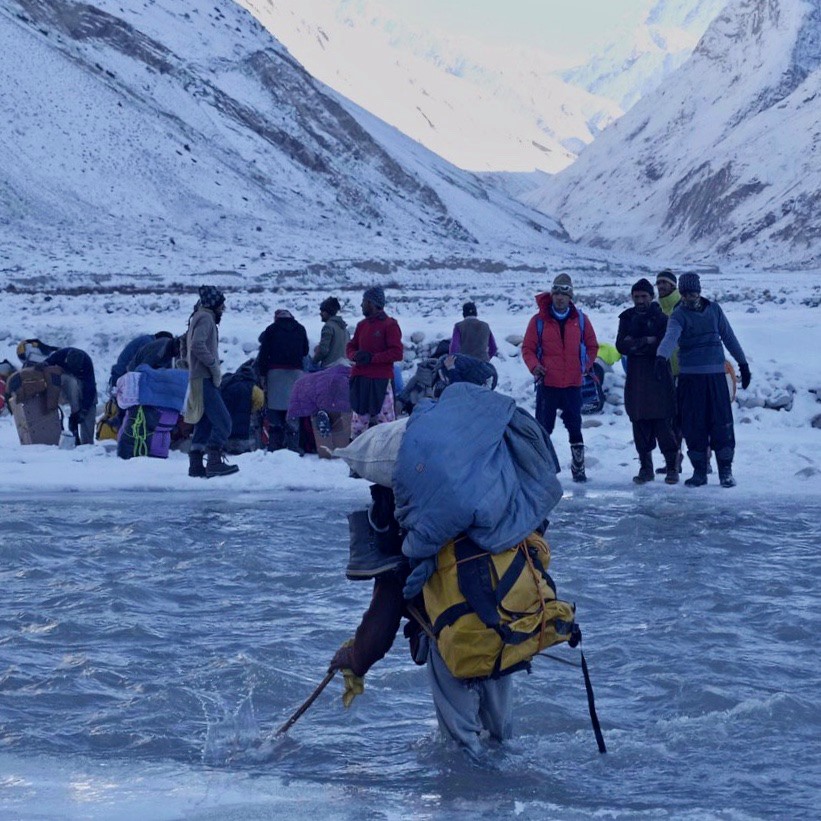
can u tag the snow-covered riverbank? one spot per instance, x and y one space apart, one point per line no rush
775 318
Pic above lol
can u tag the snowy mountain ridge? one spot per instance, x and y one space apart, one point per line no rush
167 137
482 107
721 162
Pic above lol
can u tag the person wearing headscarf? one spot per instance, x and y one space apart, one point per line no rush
283 346
376 345
205 408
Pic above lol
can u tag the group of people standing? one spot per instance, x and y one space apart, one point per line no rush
676 388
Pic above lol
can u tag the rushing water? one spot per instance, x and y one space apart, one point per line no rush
148 645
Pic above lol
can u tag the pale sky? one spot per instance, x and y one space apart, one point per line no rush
563 27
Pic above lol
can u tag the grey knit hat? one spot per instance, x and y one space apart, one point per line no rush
562 284
689 284
375 295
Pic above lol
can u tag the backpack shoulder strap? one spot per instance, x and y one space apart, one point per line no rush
582 346
539 330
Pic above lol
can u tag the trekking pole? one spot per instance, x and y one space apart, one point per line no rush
422 622
591 705
591 701
306 704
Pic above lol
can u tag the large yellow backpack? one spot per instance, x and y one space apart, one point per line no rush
491 613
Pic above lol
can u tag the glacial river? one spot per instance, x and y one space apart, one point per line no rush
150 645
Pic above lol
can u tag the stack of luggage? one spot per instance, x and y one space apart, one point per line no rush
152 400
323 398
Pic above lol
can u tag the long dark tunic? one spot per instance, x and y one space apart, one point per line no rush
645 397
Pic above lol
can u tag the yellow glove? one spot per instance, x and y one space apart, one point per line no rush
354 686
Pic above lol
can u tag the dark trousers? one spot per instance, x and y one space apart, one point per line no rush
213 430
282 431
706 413
569 402
646 432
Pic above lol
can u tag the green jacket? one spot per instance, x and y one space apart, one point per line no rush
668 304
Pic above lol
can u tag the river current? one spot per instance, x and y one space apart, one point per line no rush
150 646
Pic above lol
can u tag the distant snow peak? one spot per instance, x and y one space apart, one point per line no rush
721 162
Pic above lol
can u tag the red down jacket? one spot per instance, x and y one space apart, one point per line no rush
561 354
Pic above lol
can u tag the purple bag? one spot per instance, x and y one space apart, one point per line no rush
323 390
146 431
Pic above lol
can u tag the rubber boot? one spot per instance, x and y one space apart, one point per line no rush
276 438
646 473
292 439
699 462
216 464
679 461
672 462
577 463
195 466
725 473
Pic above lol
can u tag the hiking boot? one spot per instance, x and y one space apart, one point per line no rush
323 424
646 473
195 466
725 474
672 468
577 463
699 462
217 466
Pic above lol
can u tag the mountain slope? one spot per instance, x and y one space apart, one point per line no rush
722 162
482 108
169 132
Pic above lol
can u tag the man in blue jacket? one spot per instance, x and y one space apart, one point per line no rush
700 330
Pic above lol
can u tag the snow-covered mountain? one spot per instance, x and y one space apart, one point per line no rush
722 162
486 108
174 135
481 108
633 66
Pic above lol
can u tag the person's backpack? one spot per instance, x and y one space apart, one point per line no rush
593 390
491 613
30 382
109 422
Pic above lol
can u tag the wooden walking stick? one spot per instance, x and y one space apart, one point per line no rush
306 704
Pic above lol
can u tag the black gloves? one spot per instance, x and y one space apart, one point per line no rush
362 357
660 368
745 375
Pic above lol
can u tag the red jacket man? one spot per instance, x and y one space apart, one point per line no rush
376 345
555 361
